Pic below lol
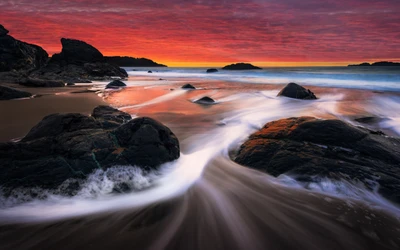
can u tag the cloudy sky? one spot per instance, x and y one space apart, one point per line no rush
215 32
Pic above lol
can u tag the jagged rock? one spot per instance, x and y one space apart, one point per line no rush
64 146
32 82
188 86
7 93
212 70
18 55
296 91
115 84
307 148
240 66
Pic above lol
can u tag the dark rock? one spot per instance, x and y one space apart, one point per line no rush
126 61
3 31
70 84
7 93
205 100
383 63
212 70
306 147
240 66
149 71
64 146
296 91
370 119
18 55
32 82
115 84
188 86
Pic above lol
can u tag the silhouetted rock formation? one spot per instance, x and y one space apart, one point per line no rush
64 146
115 84
188 86
241 66
296 91
126 61
212 70
383 63
20 56
205 100
7 93
77 62
308 148
33 82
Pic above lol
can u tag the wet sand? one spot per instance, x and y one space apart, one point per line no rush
20 115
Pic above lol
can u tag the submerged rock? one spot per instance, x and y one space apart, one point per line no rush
240 66
33 82
205 100
7 93
64 146
18 55
188 86
212 70
115 84
296 91
306 147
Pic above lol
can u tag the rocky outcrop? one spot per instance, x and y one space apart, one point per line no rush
77 62
64 146
296 91
379 64
115 84
7 93
306 148
33 82
241 66
126 61
212 70
205 100
20 56
188 86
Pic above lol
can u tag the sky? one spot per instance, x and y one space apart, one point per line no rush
215 32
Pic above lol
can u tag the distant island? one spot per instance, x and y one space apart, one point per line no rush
126 61
384 63
240 66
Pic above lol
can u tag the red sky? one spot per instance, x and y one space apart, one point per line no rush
215 32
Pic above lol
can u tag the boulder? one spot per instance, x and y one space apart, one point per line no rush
115 84
188 86
33 82
212 70
241 66
7 93
307 148
205 100
149 71
296 91
65 146
18 55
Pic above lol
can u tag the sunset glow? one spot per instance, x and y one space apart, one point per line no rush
214 33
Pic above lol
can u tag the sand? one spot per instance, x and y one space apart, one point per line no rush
20 115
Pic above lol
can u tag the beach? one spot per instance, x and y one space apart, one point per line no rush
204 200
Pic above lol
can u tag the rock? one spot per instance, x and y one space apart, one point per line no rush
76 52
64 146
32 82
307 148
212 70
296 91
70 84
188 86
77 62
18 55
149 71
115 84
3 31
126 61
205 100
383 63
7 93
240 66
